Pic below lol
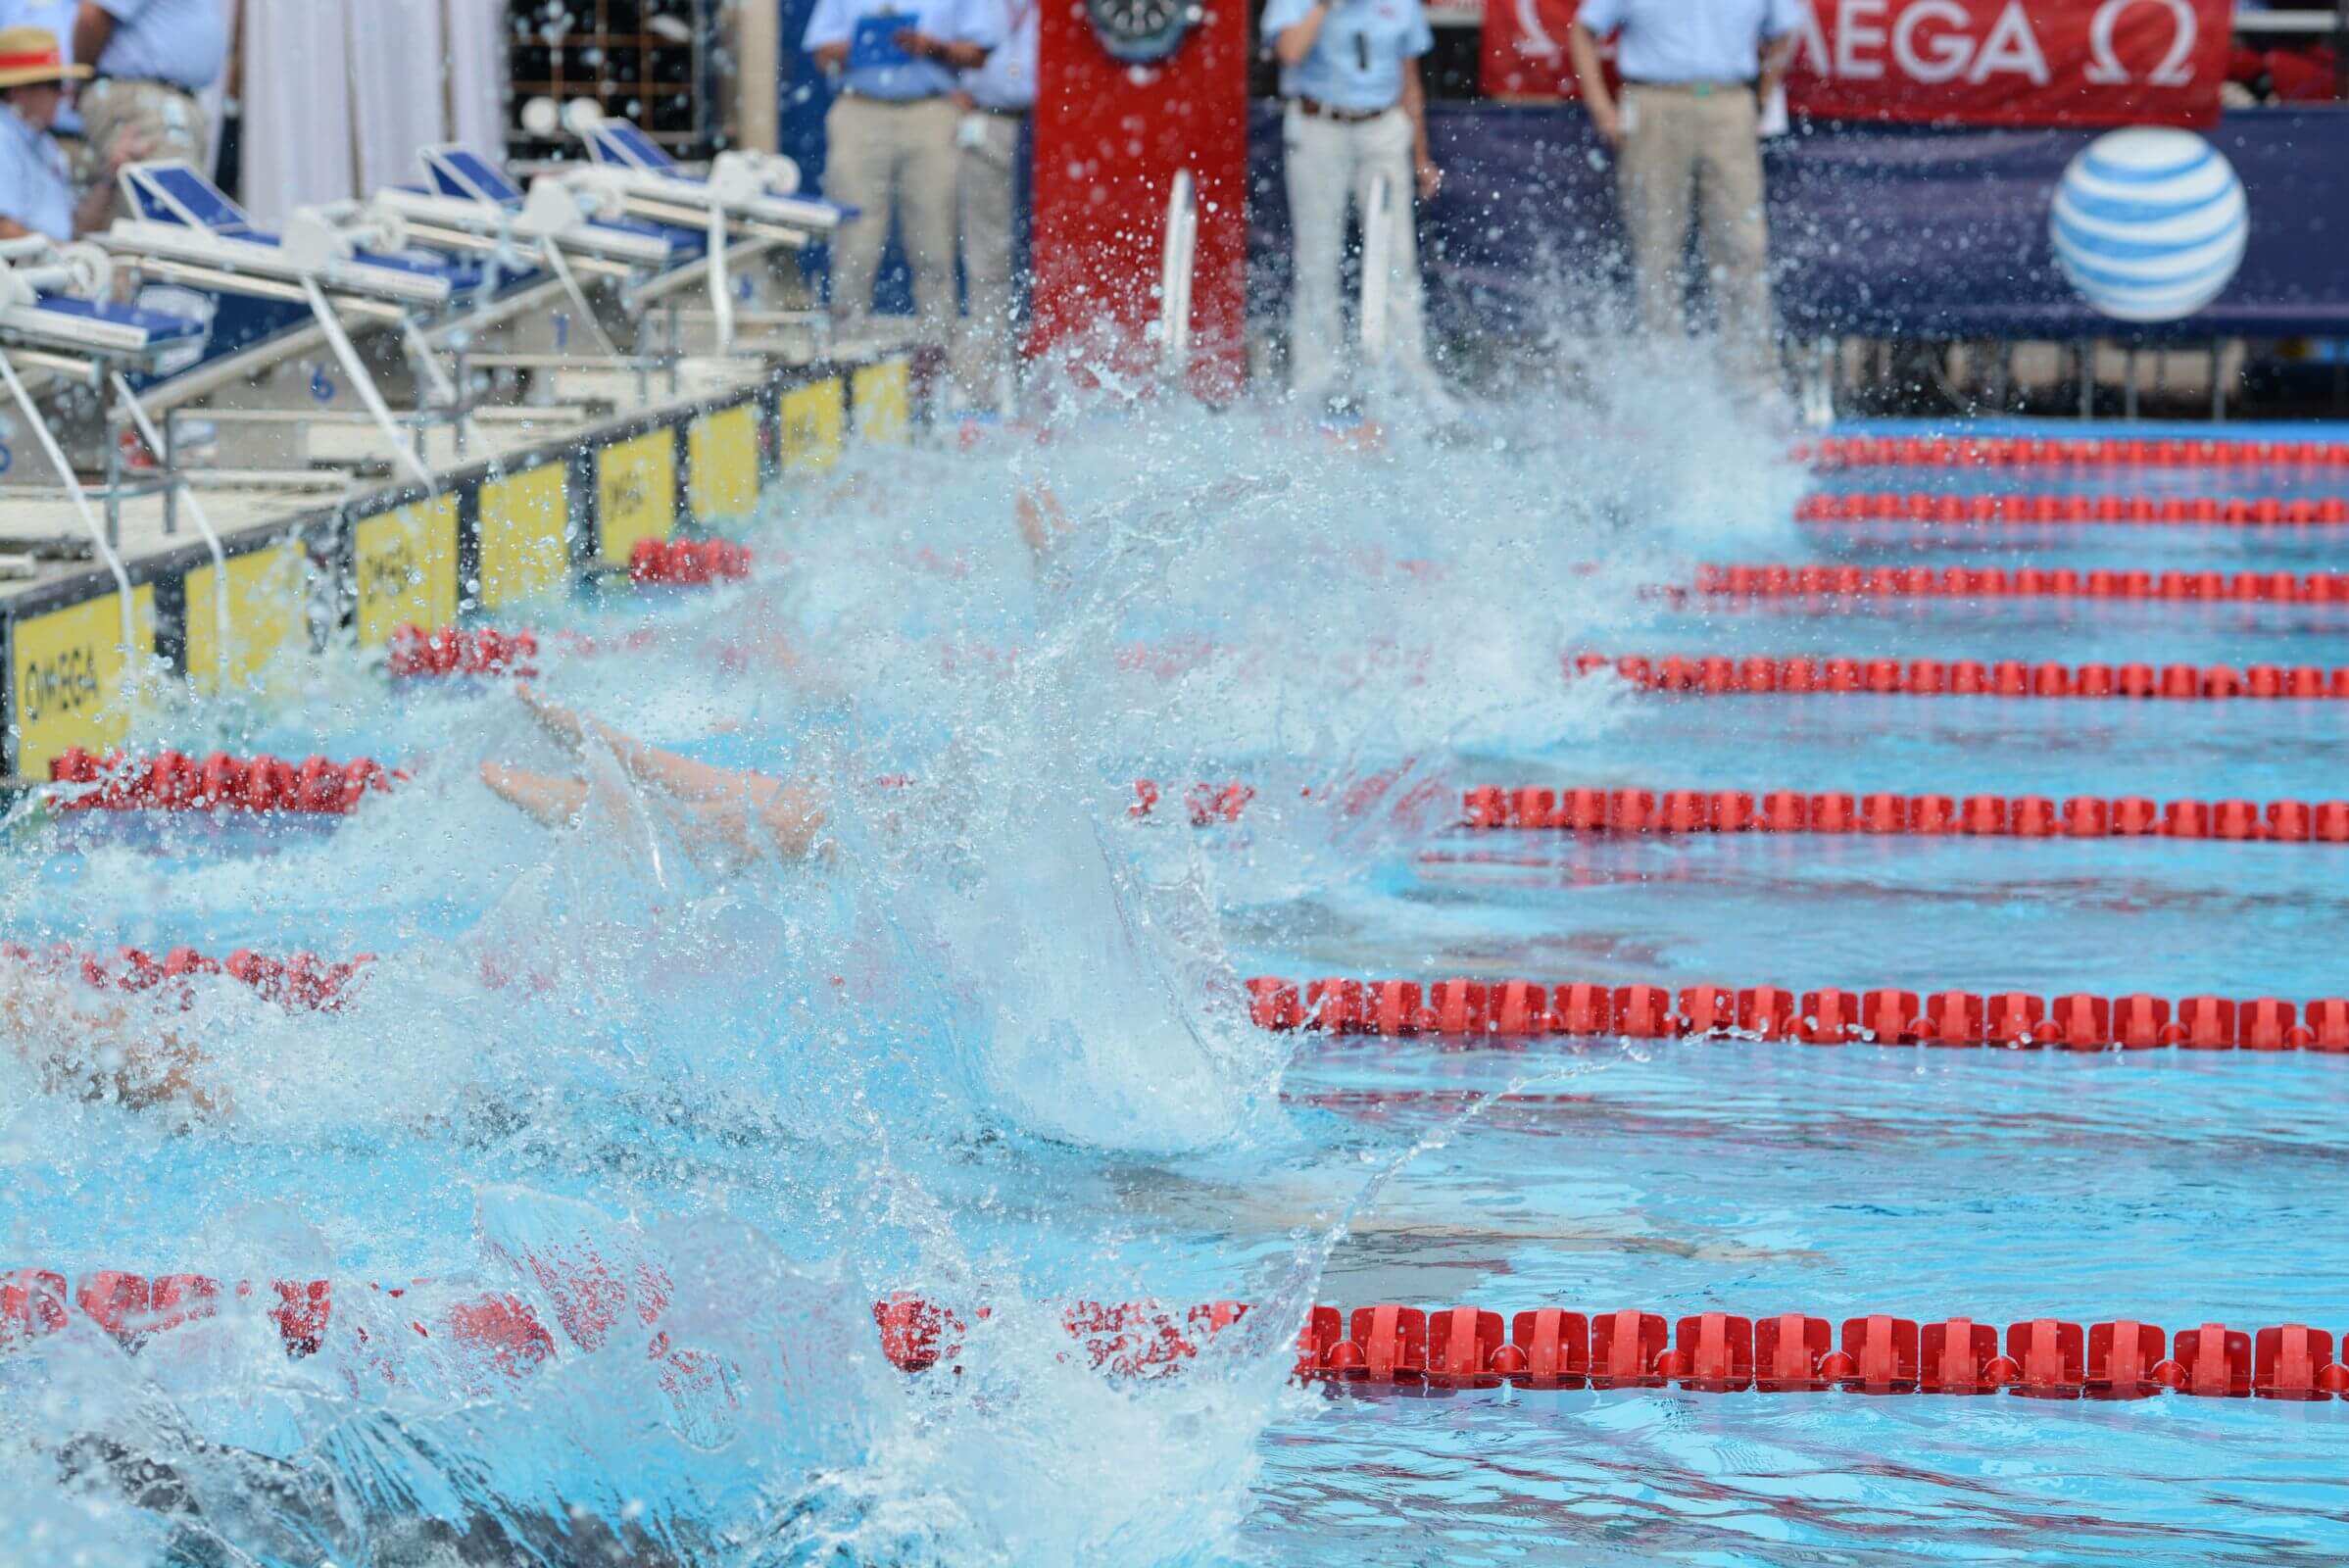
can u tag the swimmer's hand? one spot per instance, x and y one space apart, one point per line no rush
1042 521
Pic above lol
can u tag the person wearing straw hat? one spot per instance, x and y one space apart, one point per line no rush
37 193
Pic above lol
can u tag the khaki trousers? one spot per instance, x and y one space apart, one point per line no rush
1683 150
987 177
883 155
1330 164
166 121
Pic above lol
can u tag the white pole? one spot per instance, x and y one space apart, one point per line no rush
195 509
721 291
81 504
1180 253
364 383
560 266
1378 272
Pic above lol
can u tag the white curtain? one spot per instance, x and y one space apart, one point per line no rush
339 94
297 129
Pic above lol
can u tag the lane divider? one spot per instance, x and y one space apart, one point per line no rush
1719 676
686 563
459 650
2008 1019
1381 1345
1928 505
173 781
1774 581
2025 817
1794 1352
2067 451
1205 802
304 982
1388 1345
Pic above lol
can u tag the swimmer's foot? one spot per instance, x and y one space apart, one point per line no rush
553 717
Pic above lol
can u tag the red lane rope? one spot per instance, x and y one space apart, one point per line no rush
2026 816
688 562
2067 451
173 781
1205 802
1927 506
1720 675
2009 1019
1388 1345
459 650
304 982
1775 581
1710 1353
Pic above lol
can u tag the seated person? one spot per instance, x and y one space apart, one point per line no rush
746 813
36 197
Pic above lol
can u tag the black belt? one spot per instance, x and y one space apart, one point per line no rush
1315 109
1695 89
145 81
1001 113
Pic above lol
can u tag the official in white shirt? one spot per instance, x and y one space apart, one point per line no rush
1356 117
995 100
1689 132
888 141
36 190
149 59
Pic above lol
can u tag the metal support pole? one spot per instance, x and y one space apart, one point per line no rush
221 622
2128 383
402 448
112 436
81 503
2087 378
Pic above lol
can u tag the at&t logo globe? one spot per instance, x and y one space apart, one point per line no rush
2150 223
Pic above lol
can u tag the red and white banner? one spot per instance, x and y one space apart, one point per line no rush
1974 61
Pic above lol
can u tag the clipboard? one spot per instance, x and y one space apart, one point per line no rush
874 44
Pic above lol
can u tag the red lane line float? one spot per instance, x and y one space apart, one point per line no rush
1861 583
2012 1020
686 563
304 982
1388 1345
456 651
1838 452
1391 1346
1206 802
1722 1353
173 781
1719 676
2027 817
2011 509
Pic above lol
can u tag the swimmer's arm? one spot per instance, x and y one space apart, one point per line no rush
548 800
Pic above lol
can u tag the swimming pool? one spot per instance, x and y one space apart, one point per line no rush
693 1119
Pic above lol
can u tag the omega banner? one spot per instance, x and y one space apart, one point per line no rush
1967 62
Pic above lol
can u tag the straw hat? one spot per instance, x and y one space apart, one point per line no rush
29 56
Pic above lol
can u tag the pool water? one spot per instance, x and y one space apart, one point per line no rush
696 1118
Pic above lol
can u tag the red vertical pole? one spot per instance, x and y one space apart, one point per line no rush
1109 138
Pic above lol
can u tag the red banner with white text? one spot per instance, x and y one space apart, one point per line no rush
1968 62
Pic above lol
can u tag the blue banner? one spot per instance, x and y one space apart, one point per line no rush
1876 230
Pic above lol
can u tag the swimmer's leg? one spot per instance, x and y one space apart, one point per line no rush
552 801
